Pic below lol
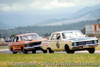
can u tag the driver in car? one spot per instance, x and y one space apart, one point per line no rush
58 36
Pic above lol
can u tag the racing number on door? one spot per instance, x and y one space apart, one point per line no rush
58 44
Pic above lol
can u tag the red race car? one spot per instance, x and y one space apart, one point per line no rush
26 42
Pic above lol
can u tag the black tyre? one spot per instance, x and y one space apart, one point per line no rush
33 51
50 51
44 51
91 50
67 49
13 51
24 50
72 51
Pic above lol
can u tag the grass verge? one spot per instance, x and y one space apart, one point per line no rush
48 60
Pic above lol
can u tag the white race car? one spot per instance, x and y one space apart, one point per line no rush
70 41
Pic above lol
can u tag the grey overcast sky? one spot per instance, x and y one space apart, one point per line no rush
29 12
22 5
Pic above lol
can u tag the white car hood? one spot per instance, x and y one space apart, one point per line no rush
82 39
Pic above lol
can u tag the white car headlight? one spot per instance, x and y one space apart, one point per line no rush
95 41
74 44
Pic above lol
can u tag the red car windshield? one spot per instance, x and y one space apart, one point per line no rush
30 37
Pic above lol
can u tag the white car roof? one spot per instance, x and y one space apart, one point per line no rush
65 31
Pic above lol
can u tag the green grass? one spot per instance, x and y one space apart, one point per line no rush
3 47
98 47
9 60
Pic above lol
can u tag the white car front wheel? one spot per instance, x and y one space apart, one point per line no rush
91 50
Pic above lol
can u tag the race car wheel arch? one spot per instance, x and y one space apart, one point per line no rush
22 49
67 49
44 51
13 51
10 48
50 50
33 50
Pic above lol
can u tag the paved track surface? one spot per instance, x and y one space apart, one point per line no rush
6 51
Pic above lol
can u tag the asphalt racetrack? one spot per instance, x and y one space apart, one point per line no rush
6 51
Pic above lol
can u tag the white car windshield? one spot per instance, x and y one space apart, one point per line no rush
72 34
30 37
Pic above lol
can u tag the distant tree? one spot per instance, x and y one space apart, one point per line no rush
0 36
46 30
98 20
13 35
46 34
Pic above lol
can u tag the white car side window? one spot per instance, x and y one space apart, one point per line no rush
53 37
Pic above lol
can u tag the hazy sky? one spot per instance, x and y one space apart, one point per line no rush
22 5
29 12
